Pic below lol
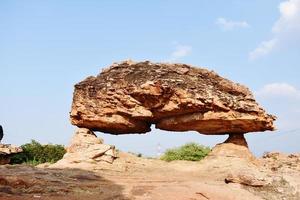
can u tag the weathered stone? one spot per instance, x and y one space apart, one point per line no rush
247 178
82 139
128 97
235 146
6 151
233 162
106 158
86 147
277 161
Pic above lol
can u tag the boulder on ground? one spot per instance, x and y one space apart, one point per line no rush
128 97
86 147
6 151
82 139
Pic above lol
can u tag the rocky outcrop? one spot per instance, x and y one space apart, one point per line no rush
285 172
128 97
277 161
6 151
85 147
235 147
233 162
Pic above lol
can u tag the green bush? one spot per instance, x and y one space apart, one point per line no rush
34 153
136 154
189 151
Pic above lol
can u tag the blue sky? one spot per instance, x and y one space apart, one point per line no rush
48 46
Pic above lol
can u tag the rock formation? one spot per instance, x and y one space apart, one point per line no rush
233 162
6 151
234 147
128 97
86 147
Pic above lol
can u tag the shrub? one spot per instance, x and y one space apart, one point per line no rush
136 154
34 153
189 151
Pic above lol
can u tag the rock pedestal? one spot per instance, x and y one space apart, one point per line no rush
233 162
235 146
6 151
85 147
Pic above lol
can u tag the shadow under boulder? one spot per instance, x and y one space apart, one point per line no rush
26 182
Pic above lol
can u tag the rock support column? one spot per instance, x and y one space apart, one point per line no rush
235 146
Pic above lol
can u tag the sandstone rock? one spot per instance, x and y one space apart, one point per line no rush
6 151
82 139
277 161
285 169
86 147
248 178
231 156
234 147
233 162
128 97
9 149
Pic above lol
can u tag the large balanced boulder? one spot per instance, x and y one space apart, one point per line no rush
128 97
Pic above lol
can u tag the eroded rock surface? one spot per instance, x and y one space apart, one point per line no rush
143 178
6 151
85 147
235 146
128 97
233 162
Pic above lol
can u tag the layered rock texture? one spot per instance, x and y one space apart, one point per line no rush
128 97
6 151
233 162
85 147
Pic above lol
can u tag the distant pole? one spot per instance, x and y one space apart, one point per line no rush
1 133
158 150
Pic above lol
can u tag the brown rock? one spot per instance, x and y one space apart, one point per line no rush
233 162
231 157
82 139
128 97
247 178
277 161
6 151
86 147
235 146
9 149
285 170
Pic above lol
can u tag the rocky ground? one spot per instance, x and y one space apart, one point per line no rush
276 176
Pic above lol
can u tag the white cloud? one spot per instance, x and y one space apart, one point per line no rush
289 16
228 25
263 49
285 30
180 52
282 100
275 90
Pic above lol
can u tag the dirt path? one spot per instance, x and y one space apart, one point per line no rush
130 178
133 178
